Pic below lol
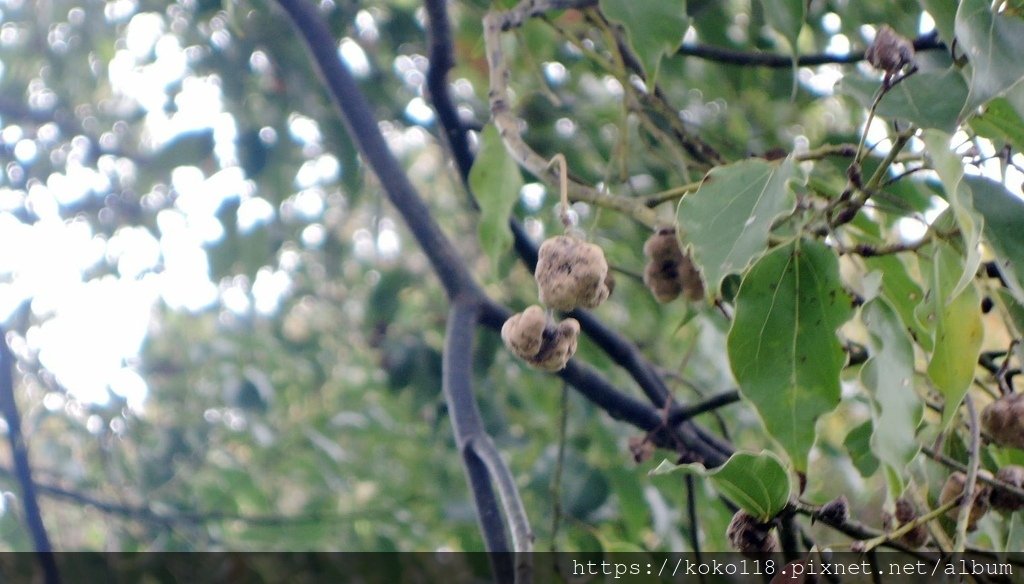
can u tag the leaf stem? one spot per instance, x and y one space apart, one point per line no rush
973 462
907 527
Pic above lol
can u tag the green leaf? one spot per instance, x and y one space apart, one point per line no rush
958 331
654 28
1000 122
903 293
1004 228
858 444
1014 308
728 219
888 376
758 483
782 345
951 172
787 18
993 43
496 181
929 99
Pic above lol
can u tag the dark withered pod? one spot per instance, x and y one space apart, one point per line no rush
953 490
1003 420
1003 499
749 536
889 52
906 512
669 271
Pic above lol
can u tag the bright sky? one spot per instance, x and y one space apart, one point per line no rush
93 328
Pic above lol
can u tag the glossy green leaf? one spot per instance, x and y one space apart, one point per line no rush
782 345
958 194
787 18
1004 228
993 43
728 219
759 483
930 99
496 181
958 330
654 28
888 376
858 444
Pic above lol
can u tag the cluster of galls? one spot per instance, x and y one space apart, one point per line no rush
669 272
537 340
985 496
570 274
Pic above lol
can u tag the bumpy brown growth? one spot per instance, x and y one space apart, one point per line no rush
538 341
889 51
669 272
749 536
1005 500
905 513
954 489
1003 420
571 273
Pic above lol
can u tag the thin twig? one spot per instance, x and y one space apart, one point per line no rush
973 463
22 466
509 127
927 42
714 402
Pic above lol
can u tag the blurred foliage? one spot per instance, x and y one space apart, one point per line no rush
298 406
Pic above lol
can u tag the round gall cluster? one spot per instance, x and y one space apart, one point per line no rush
571 273
538 341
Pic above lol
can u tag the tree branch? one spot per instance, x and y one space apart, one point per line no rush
481 465
509 127
926 42
144 513
362 126
22 467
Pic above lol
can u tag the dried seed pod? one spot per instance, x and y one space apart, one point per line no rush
953 490
669 272
538 341
905 513
1005 500
749 536
889 51
1003 420
571 273
836 511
